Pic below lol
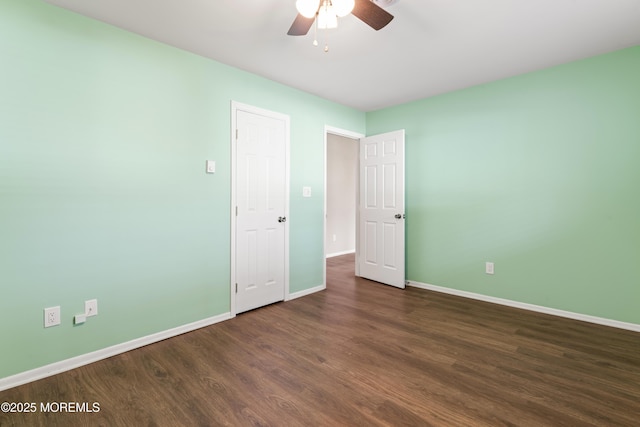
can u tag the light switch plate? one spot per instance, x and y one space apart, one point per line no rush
306 191
211 166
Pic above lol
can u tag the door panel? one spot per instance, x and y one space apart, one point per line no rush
381 245
261 201
371 180
389 189
371 239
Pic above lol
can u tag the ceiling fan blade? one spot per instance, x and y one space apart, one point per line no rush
300 26
371 14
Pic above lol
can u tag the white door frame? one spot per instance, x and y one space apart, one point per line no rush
236 106
348 134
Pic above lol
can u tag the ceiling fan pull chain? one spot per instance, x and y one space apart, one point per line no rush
315 31
326 41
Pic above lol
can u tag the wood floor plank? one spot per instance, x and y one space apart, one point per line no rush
361 354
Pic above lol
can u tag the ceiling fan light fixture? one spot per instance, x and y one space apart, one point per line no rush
327 11
307 8
343 7
327 17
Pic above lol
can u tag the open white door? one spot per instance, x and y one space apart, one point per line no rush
381 209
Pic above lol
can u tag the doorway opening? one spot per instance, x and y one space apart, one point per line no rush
379 212
341 192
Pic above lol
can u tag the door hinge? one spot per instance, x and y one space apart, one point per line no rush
236 288
236 211
236 134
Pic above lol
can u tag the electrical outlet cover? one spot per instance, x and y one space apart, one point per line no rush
51 316
489 268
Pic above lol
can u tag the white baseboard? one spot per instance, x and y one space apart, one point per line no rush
85 359
306 292
530 307
352 251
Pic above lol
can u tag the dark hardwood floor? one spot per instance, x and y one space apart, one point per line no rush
361 353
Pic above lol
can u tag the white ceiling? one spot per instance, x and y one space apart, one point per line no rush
431 47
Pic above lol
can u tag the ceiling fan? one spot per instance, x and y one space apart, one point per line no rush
327 11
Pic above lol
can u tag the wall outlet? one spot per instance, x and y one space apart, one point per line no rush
51 316
488 268
91 307
334 237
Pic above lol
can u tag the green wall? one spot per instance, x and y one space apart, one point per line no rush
538 173
103 140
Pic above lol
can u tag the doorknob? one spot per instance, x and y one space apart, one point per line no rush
282 219
398 216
